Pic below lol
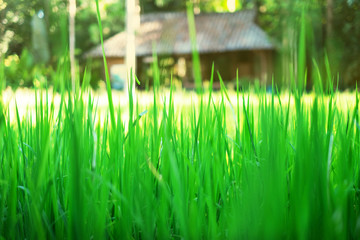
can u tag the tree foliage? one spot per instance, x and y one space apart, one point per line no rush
347 39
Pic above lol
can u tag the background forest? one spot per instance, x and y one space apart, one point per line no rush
333 29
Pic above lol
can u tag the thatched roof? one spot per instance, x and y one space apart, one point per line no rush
215 32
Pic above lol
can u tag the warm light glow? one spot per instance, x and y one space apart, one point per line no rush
231 5
182 67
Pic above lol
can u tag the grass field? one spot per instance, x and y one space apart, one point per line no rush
223 165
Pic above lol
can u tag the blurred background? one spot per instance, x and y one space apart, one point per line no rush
259 38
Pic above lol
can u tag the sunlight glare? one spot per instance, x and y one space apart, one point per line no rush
231 5
41 14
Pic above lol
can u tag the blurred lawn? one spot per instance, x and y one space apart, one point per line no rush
183 100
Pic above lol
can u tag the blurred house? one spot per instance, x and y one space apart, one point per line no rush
231 40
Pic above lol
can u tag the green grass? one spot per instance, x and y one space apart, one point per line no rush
285 166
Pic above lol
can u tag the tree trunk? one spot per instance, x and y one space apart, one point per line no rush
72 13
130 58
329 18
